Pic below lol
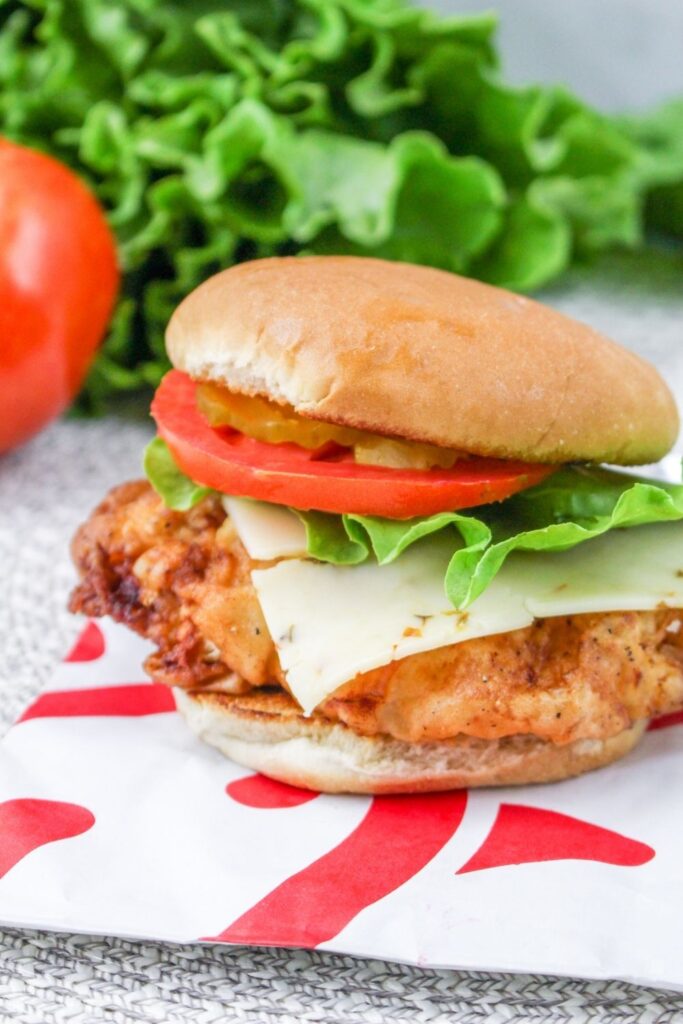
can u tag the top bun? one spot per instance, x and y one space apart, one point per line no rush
426 355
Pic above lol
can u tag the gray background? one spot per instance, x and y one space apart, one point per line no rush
617 54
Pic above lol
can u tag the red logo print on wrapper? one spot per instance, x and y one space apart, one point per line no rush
127 699
529 835
89 646
397 838
26 824
666 721
260 791
131 700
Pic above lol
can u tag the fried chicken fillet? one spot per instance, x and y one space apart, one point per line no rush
183 581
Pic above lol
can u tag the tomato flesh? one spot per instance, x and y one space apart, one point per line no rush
327 479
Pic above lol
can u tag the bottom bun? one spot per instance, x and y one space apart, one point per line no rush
265 730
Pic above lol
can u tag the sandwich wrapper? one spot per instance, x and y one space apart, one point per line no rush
115 819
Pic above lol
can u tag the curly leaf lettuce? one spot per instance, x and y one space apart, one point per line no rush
219 131
573 505
658 137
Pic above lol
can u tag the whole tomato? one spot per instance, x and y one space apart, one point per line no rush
58 281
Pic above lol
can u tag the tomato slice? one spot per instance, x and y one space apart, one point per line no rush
327 480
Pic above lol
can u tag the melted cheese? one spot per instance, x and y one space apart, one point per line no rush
267 531
331 622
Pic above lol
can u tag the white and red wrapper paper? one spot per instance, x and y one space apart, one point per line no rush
114 819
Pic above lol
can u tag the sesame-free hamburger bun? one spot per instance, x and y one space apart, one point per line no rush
424 355
268 733
398 649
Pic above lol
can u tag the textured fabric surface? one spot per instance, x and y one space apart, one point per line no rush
50 978
45 490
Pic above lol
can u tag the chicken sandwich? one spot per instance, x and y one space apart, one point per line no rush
376 550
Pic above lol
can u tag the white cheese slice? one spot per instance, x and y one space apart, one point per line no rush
330 623
267 531
624 570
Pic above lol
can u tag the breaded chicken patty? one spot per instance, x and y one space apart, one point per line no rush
182 579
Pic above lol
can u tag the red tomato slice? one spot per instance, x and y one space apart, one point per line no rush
286 474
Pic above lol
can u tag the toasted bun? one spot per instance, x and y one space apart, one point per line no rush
426 355
266 731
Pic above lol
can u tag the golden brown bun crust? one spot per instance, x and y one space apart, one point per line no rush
426 355
266 732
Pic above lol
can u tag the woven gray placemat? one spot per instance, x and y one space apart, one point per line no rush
45 490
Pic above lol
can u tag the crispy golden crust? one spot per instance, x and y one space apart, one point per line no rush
179 580
182 579
562 679
267 732
426 355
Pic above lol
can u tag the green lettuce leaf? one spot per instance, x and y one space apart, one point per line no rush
573 505
223 130
176 490
658 137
